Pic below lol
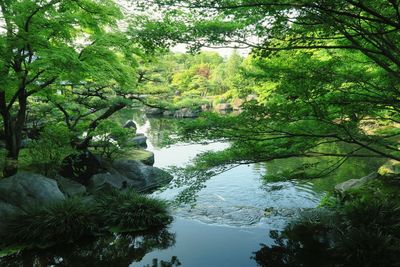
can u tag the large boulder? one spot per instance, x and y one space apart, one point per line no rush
69 187
144 178
139 140
24 190
80 167
129 173
355 183
105 182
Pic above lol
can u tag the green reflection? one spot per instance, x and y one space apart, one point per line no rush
108 250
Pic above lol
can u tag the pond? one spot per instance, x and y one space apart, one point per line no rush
236 210
233 215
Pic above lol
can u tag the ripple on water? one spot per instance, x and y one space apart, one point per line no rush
239 198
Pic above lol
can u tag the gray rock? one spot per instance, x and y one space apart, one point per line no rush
144 178
20 192
186 113
223 107
168 113
104 182
130 124
149 159
69 187
153 111
355 183
139 140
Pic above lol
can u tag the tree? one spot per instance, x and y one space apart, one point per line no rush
323 69
67 52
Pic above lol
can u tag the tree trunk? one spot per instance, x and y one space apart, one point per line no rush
13 135
12 146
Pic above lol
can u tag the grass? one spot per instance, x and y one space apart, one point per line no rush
63 221
130 211
74 218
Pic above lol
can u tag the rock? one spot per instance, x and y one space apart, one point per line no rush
205 107
237 104
144 178
168 113
130 124
128 173
223 107
355 183
186 113
69 187
153 111
145 156
139 140
80 167
105 182
20 192
251 98
148 158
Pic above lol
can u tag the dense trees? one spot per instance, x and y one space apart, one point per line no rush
70 55
325 72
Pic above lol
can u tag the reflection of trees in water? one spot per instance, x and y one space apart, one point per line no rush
295 247
162 130
109 250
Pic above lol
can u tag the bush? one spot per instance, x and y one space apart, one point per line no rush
71 219
362 232
46 153
128 210
63 221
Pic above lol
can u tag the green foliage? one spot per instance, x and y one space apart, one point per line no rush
110 140
358 232
73 218
64 222
130 211
47 152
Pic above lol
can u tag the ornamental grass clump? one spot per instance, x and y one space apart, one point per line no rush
60 222
130 211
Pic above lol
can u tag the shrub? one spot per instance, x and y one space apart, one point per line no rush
46 153
362 232
128 210
71 219
63 221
